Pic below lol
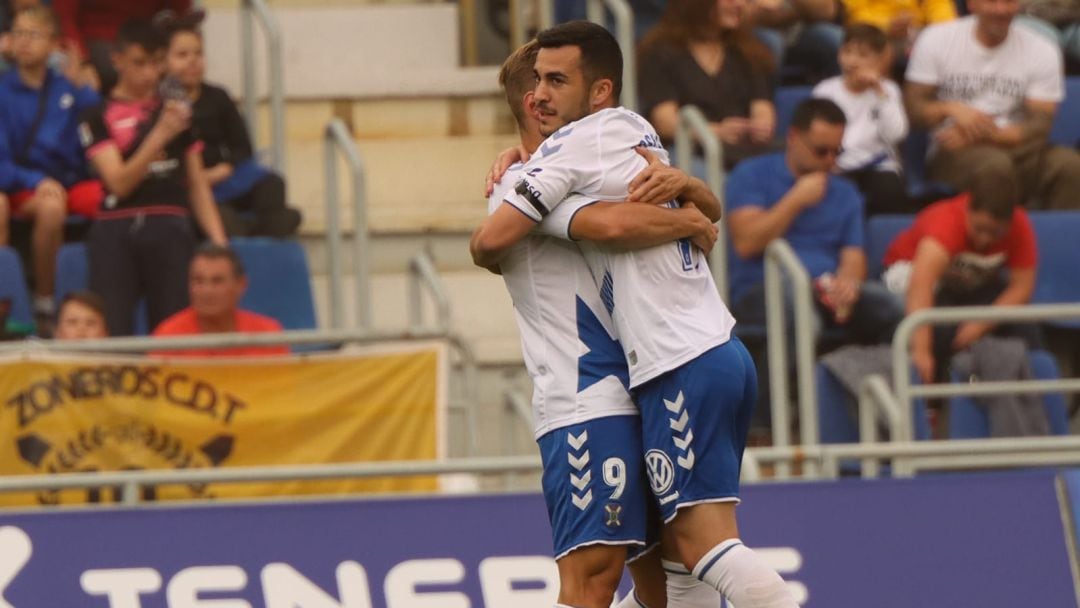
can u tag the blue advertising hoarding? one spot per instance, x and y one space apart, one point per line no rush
993 540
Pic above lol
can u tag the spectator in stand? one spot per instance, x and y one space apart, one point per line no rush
793 195
955 255
703 53
93 25
66 57
42 169
1058 20
151 165
217 283
989 90
801 33
901 20
81 317
876 122
241 185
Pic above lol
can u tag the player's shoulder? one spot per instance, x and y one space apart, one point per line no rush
1031 45
253 321
763 165
829 87
505 186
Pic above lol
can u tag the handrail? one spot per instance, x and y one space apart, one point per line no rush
780 258
624 33
338 136
875 395
964 453
906 393
250 10
143 344
693 126
423 273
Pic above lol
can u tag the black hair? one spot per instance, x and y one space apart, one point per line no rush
600 53
816 108
220 252
996 194
866 34
85 297
142 33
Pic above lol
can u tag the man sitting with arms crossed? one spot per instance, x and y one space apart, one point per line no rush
695 383
216 283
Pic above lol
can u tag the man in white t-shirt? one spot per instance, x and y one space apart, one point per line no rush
990 89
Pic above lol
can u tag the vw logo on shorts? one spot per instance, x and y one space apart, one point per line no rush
661 473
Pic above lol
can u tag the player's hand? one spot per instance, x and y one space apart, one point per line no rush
706 232
810 188
968 334
952 138
923 360
845 292
657 183
502 162
175 118
974 124
732 130
49 188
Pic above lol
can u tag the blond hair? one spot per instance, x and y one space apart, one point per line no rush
517 77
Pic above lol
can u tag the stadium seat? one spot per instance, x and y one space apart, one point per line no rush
1056 233
837 422
13 286
881 230
969 421
1066 129
786 99
279 282
73 274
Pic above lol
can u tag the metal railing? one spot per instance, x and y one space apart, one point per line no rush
624 33
693 126
423 276
875 398
337 137
780 260
250 12
906 392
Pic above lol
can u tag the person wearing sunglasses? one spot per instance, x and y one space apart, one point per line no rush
795 195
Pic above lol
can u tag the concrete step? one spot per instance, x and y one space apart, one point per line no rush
413 185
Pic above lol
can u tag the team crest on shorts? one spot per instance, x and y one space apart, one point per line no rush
612 512
661 473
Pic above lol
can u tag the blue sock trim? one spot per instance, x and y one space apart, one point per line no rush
713 561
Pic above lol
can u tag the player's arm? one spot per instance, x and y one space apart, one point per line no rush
928 266
753 227
638 226
497 234
658 183
121 176
202 198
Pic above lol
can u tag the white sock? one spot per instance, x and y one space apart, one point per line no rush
631 601
745 580
685 591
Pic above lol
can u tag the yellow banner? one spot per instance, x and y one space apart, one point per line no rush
64 414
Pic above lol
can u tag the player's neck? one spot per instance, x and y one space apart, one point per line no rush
33 76
120 91
531 140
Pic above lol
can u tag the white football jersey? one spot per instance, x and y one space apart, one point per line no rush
663 300
575 363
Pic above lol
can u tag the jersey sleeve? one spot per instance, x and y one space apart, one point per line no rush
558 223
93 133
566 162
1023 251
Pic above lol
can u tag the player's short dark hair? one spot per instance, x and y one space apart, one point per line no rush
517 77
867 35
142 33
600 53
817 108
87 298
996 194
212 251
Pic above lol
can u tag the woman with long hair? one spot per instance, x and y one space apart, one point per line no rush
704 53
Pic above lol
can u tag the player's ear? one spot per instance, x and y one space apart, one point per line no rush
528 103
601 93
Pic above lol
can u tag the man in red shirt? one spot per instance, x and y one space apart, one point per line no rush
216 282
955 254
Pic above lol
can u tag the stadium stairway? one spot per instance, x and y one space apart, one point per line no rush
427 130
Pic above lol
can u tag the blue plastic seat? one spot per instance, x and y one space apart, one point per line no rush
1056 234
786 99
1066 128
881 231
13 286
279 281
836 408
969 421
